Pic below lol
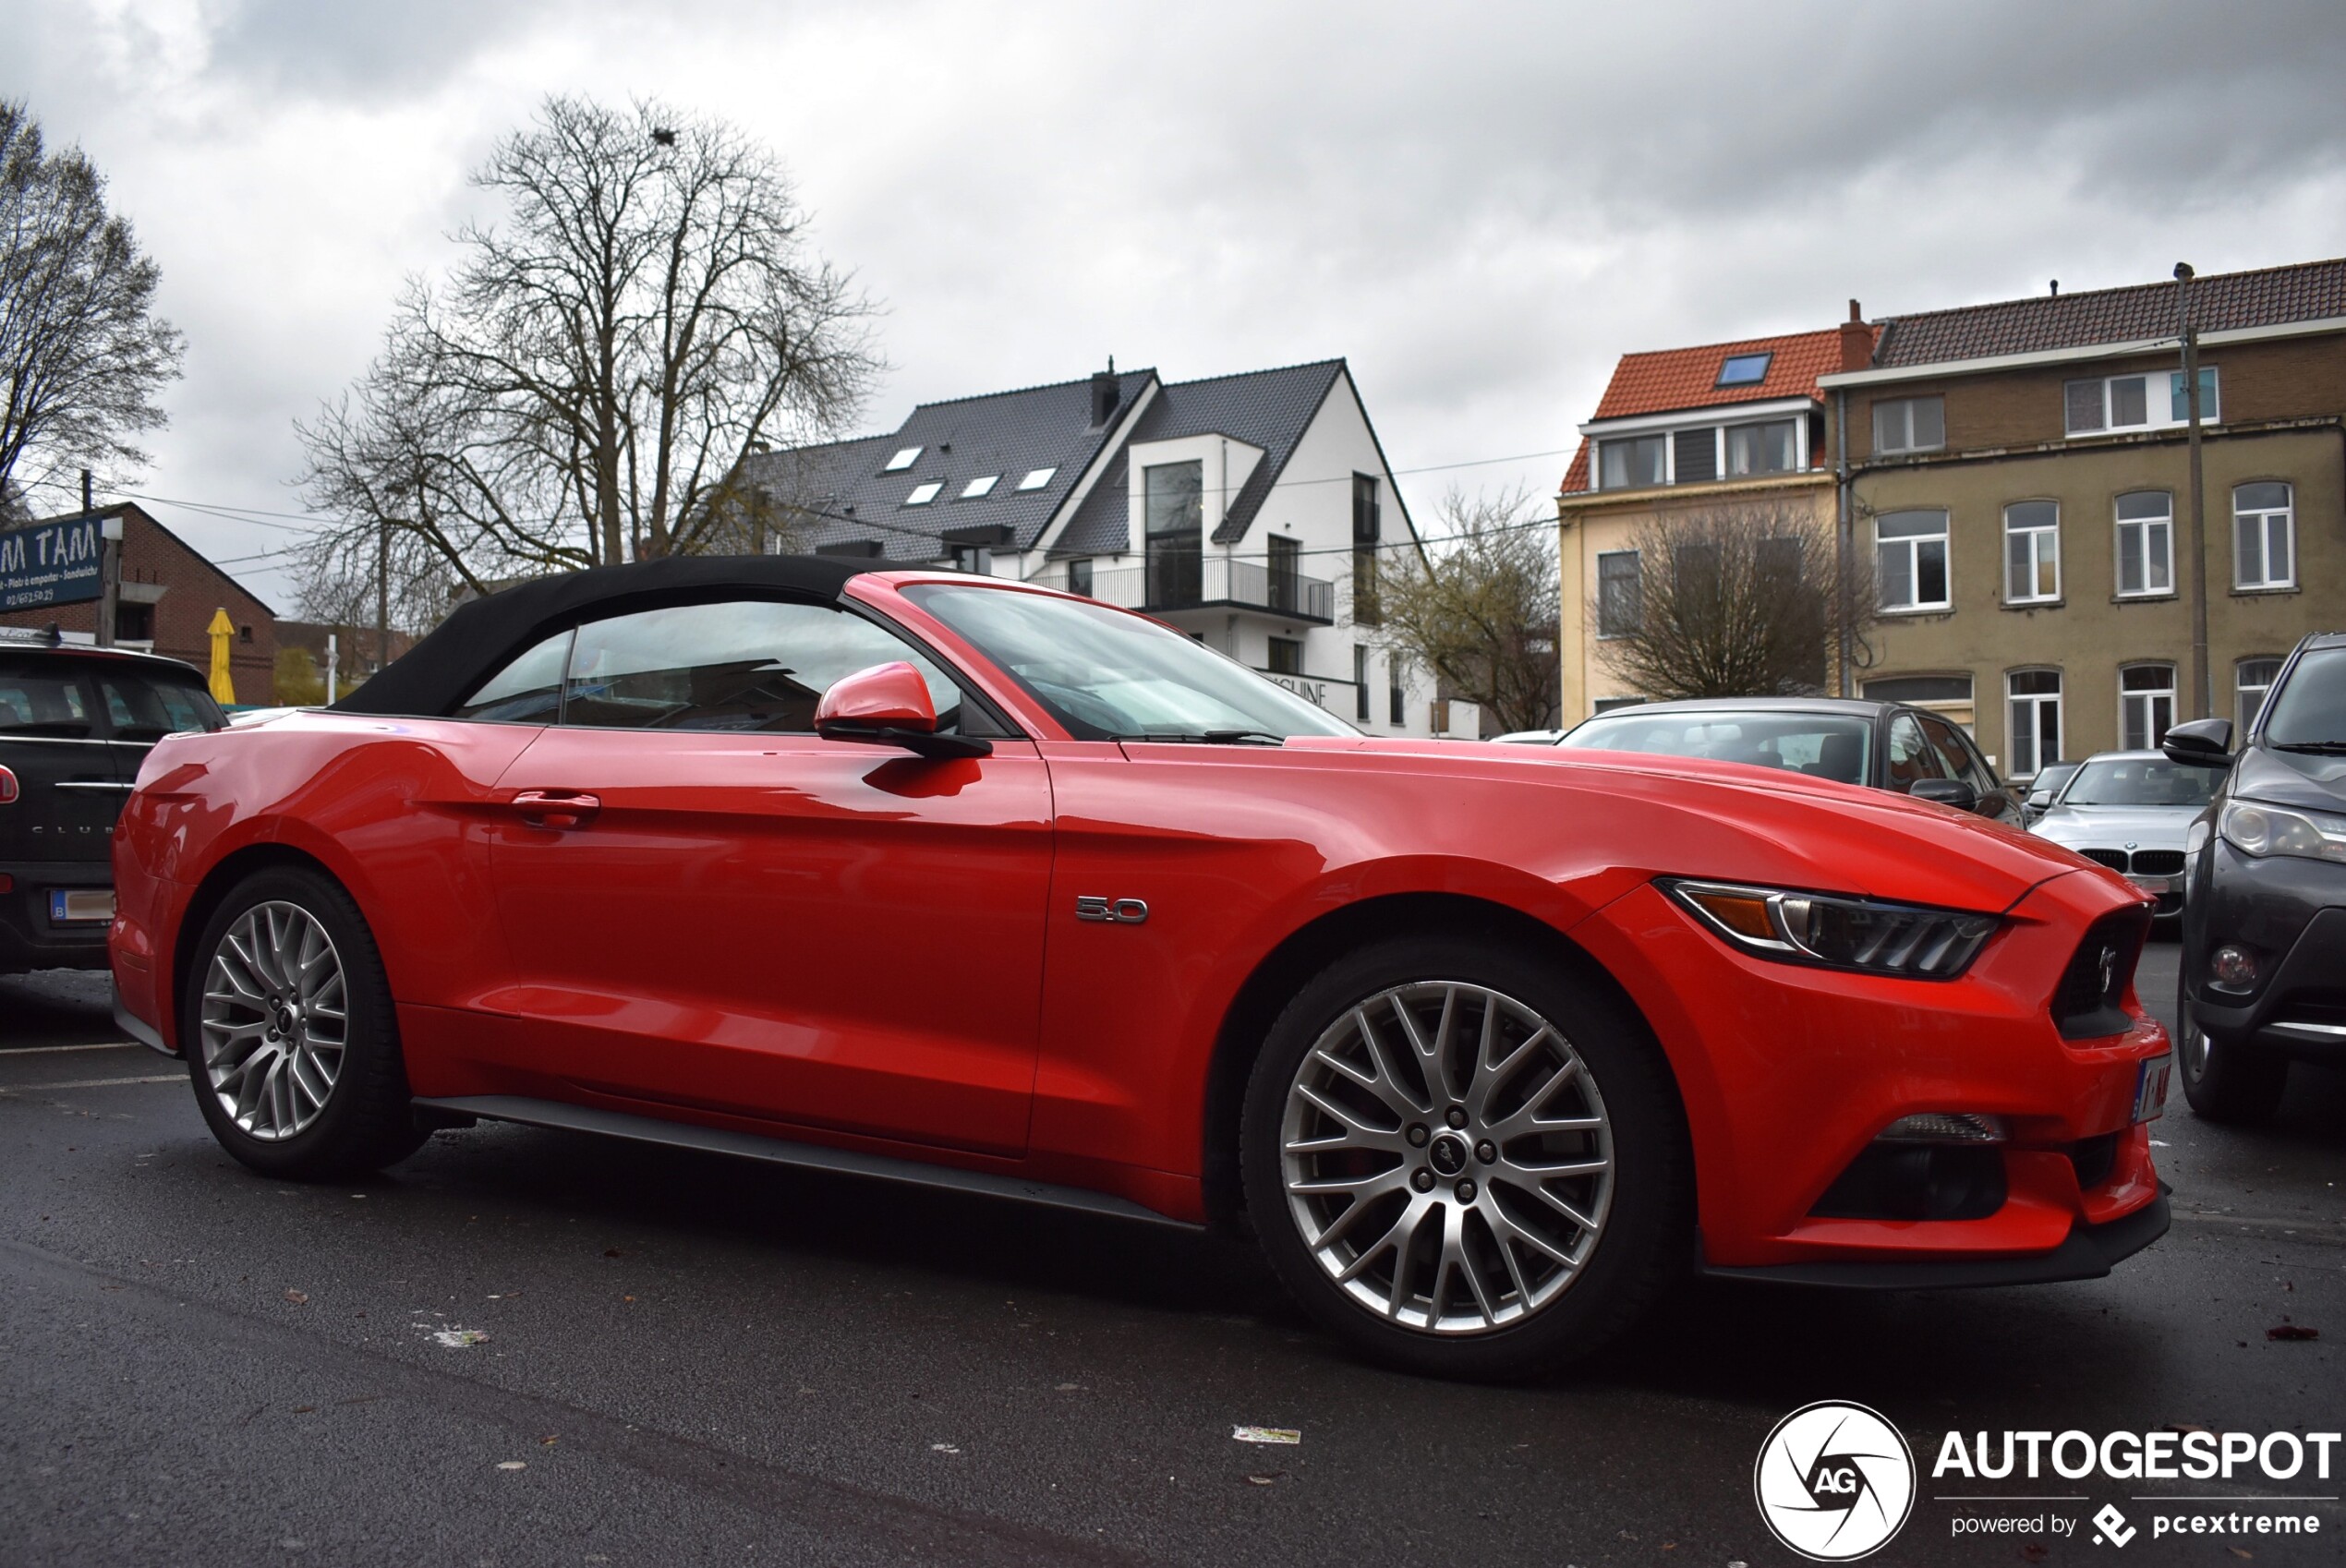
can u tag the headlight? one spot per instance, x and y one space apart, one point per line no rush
1816 928
2256 828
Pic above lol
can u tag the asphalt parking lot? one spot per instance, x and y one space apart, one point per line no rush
526 1347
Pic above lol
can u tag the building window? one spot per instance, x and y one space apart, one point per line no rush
244 634
134 623
2128 402
2146 543
1629 462
923 494
2145 705
1947 694
1079 577
981 486
1620 592
1287 571
1360 683
1909 424
1761 449
1037 478
905 457
1606 705
1694 455
1173 509
2253 678
2032 552
1911 559
1394 694
2264 536
974 558
1745 369
1368 526
2033 697
1286 655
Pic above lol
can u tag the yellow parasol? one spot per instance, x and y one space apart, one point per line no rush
223 690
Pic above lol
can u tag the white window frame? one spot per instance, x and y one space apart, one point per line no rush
2165 526
1912 544
2014 730
2159 389
2269 521
2243 719
2155 724
2043 545
1906 406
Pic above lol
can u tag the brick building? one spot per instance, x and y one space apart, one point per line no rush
169 595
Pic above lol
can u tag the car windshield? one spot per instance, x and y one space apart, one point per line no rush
2310 708
2141 781
2051 778
1823 746
1106 674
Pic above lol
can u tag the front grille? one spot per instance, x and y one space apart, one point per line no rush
2114 858
2159 863
2088 1003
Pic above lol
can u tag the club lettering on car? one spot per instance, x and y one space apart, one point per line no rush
1483 1043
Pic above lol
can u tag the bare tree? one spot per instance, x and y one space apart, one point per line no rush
578 390
81 352
1479 606
1738 600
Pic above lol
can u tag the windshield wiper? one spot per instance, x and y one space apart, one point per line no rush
2317 748
1210 737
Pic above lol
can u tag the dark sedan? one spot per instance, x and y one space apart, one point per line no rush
1882 745
2262 978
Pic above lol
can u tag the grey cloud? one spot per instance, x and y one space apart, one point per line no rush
372 51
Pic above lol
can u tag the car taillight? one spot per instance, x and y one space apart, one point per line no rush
2090 1000
8 787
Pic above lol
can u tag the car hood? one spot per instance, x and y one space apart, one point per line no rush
1693 817
2118 828
2290 778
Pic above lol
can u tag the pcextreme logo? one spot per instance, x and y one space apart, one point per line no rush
1834 1481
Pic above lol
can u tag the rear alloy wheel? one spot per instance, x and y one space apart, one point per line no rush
1451 1179
2225 1083
291 1039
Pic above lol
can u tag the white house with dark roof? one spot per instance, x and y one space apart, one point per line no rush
1243 509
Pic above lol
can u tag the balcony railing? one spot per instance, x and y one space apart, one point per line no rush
1177 579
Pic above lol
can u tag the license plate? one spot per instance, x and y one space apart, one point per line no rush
81 906
2153 884
2150 1088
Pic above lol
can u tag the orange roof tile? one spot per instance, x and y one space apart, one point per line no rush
1576 477
1672 379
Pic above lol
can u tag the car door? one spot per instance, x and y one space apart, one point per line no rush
710 907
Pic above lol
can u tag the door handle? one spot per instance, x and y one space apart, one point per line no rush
556 808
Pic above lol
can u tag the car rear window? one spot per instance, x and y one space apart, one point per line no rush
43 701
1821 746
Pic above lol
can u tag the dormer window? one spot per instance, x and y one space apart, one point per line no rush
905 457
1745 369
982 485
924 493
1037 478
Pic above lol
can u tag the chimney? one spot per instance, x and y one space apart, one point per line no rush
1103 395
1856 340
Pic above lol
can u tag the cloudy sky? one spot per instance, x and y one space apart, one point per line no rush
1480 207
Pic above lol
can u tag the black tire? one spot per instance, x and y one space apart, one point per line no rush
1645 1239
2239 1084
366 1122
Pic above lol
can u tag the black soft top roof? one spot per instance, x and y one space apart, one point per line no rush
486 633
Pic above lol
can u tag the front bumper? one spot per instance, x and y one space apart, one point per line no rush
2290 913
2090 1251
1788 1075
29 939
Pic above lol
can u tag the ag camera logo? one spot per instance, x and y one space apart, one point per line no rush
1834 1481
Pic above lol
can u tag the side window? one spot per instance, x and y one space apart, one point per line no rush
43 701
529 691
1911 758
738 664
1957 758
142 709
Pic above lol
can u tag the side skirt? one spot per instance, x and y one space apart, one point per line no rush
782 1151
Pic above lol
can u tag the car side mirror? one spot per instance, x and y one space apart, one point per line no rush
889 705
1953 792
2200 742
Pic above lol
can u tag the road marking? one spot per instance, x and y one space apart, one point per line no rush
89 1083
8 1051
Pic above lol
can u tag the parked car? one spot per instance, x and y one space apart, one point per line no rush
1880 745
969 883
74 724
2045 786
2262 976
1527 738
2132 812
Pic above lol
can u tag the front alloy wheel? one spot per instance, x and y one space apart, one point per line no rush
1448 1158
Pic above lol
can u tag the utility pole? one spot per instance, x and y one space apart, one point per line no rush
109 567
382 580
2201 697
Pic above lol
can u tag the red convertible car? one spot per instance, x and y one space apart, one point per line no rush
947 880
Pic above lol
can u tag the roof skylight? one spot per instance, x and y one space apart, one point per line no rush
905 457
923 494
1745 369
1037 478
981 486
